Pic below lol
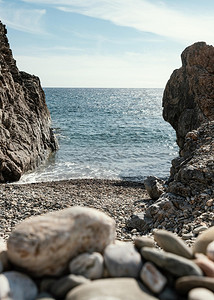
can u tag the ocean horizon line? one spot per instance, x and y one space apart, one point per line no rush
66 87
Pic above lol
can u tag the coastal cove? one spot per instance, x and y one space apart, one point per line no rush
107 134
82 217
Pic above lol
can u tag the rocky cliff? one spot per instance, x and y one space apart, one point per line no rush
188 102
188 105
26 138
188 99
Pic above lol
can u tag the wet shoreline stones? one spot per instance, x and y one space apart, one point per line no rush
165 270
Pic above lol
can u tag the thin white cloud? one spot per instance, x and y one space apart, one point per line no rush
55 49
144 16
58 2
129 70
27 20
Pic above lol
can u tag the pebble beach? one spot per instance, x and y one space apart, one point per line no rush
118 199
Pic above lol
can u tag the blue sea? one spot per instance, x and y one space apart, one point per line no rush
107 134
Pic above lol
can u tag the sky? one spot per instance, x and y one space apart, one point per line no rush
104 43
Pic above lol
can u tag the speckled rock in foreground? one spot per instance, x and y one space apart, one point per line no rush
44 245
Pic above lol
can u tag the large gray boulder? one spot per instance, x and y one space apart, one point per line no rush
44 245
26 138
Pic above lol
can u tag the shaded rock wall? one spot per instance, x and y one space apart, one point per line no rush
26 138
193 172
188 99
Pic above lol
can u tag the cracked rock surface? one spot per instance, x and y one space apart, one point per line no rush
26 138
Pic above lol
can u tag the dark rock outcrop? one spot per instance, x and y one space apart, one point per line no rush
188 99
193 172
188 103
26 137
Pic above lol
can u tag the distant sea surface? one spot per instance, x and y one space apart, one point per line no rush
107 134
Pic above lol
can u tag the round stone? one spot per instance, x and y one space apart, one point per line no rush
210 251
15 285
89 265
203 240
185 284
152 278
200 294
110 289
175 264
172 243
143 241
199 229
122 260
44 296
206 265
62 286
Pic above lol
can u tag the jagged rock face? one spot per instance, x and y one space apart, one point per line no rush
190 193
25 134
188 99
188 103
193 171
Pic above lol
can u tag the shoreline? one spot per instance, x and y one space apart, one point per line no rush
117 198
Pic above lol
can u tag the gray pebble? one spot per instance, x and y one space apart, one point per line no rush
122 260
15 285
89 265
175 264
200 294
61 287
172 243
44 296
143 241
